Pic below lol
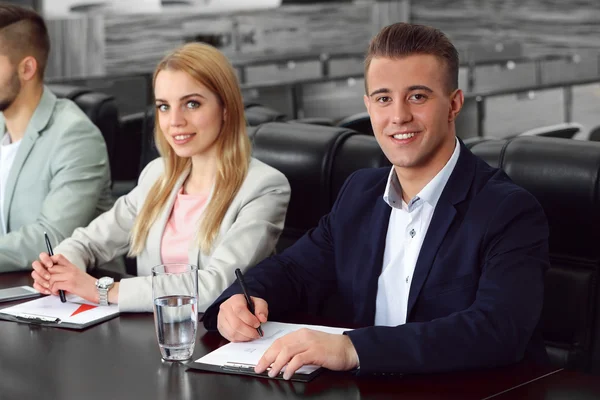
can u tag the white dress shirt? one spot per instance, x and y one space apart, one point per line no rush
8 152
407 228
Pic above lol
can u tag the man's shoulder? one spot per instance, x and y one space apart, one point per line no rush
494 189
68 117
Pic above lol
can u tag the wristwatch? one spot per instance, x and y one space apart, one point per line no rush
103 285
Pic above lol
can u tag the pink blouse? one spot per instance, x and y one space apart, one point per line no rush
182 227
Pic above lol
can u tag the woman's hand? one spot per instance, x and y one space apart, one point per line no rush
41 275
51 274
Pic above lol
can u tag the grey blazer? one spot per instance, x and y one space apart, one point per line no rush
60 180
249 232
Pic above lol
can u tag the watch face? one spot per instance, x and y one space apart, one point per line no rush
105 282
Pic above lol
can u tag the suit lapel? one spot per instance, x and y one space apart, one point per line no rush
37 124
380 223
455 191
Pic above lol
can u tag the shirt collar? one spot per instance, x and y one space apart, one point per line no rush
430 193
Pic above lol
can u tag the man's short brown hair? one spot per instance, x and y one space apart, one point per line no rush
403 39
23 33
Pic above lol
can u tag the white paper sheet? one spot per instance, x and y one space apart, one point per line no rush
249 353
75 310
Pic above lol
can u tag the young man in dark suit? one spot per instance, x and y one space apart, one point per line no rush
440 258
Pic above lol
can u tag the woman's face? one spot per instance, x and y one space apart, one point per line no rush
189 115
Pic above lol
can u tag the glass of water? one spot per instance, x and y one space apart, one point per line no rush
175 296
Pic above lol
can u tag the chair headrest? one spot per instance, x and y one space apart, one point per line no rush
305 155
564 176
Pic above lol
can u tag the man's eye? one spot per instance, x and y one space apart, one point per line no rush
383 99
418 97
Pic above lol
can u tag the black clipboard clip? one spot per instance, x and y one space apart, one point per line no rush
243 368
37 319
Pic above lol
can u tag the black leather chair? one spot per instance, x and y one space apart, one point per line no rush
564 175
595 134
305 154
360 122
354 152
257 114
472 141
565 130
102 111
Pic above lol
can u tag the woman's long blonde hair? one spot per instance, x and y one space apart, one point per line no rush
211 68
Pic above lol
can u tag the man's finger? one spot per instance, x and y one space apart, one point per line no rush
294 365
284 356
246 316
261 309
241 332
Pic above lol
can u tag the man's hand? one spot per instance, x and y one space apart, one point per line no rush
305 347
236 323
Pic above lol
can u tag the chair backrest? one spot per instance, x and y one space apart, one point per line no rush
360 122
316 160
565 130
595 134
257 114
564 175
101 110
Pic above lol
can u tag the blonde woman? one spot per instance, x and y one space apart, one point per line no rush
205 201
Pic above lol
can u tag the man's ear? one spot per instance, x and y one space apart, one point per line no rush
457 99
28 68
367 103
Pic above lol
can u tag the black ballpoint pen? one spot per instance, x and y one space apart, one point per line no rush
249 302
61 293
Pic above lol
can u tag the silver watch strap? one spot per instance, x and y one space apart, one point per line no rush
103 296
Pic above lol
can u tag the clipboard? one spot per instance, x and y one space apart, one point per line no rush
241 358
248 369
76 313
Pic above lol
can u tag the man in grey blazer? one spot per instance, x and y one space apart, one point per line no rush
54 171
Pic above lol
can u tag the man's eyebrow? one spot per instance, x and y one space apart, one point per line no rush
420 87
378 91
410 89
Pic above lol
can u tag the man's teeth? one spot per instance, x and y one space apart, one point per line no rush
404 136
182 137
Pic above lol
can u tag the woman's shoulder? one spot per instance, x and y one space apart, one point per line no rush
258 171
152 171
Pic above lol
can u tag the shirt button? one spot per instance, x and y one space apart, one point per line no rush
407 279
412 233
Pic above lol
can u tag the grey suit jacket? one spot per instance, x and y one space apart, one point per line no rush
249 232
60 180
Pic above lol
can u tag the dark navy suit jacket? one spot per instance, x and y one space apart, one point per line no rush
477 290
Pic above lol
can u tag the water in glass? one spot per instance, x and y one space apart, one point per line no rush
176 322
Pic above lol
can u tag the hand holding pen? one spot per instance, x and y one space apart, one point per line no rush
249 302
61 293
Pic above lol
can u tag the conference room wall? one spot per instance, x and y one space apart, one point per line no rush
515 113
540 26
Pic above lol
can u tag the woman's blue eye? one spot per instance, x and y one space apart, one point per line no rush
192 104
162 107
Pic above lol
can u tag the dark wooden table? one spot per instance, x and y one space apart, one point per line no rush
119 359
